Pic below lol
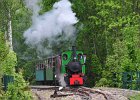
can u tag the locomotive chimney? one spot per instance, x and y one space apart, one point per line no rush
74 52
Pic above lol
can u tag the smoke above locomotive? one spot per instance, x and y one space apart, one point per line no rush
57 22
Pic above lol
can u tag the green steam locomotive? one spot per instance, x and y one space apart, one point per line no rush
68 68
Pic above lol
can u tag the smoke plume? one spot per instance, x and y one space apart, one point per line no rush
61 80
58 22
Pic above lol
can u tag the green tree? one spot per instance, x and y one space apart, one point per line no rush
105 26
3 53
11 24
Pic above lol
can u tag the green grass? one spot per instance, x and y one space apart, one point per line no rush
136 97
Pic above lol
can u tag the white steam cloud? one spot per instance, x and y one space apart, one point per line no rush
61 80
49 26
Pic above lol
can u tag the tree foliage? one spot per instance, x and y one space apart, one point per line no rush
9 63
8 58
109 30
3 47
3 53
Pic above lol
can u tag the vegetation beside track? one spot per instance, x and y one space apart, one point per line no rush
135 97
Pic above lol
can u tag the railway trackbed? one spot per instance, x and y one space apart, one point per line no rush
79 93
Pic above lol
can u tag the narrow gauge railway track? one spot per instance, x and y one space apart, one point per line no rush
44 87
78 91
84 92
106 95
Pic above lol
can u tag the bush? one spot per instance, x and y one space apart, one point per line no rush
9 63
18 90
134 97
102 82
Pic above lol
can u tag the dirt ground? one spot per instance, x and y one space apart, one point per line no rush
111 93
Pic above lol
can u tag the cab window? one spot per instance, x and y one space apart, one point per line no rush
65 56
80 56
